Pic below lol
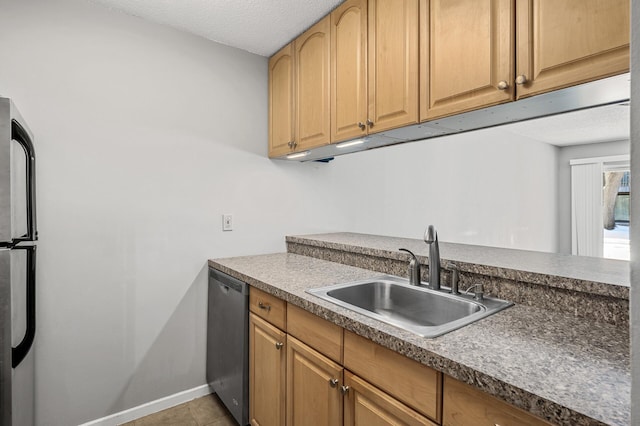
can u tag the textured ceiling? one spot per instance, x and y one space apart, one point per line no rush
603 124
258 26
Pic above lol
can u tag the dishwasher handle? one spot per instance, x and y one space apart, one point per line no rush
227 282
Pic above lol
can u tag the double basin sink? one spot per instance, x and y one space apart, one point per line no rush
418 309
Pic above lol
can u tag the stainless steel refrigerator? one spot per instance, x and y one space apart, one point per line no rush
18 235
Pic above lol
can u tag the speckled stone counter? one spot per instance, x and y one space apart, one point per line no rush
589 274
586 287
554 365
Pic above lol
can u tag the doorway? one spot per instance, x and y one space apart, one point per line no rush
600 207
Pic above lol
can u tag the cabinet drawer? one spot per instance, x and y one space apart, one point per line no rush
367 405
464 405
316 332
268 307
410 382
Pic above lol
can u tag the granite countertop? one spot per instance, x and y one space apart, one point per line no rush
554 365
607 277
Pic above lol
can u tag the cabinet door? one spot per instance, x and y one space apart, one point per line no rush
393 64
563 43
365 405
464 405
349 70
466 55
313 387
312 86
281 102
267 368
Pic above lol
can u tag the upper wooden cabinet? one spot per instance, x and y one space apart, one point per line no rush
466 55
392 64
374 67
467 49
312 52
281 106
563 43
349 99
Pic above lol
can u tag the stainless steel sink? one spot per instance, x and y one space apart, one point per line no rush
426 312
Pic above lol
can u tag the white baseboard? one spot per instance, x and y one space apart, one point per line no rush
151 407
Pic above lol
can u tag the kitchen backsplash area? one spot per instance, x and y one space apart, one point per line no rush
595 289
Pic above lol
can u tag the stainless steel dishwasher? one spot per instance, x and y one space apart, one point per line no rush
228 343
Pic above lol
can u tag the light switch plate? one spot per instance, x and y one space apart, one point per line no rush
227 222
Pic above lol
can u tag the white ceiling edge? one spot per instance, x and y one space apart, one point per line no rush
257 26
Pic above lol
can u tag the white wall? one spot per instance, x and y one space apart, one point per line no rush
144 136
565 155
477 188
635 213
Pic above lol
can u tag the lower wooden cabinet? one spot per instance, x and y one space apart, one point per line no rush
326 376
267 369
313 387
465 406
365 404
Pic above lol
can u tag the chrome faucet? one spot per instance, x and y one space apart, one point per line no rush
431 238
414 268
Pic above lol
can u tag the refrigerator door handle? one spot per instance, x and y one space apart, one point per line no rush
20 135
20 352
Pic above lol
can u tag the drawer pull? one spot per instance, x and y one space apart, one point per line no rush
263 306
333 382
279 345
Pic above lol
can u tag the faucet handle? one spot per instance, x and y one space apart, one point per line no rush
414 268
477 294
455 278
408 251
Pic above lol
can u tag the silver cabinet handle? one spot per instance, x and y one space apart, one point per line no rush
361 125
345 389
263 306
279 345
333 382
369 122
521 79
503 85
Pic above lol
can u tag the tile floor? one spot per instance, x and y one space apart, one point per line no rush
205 411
